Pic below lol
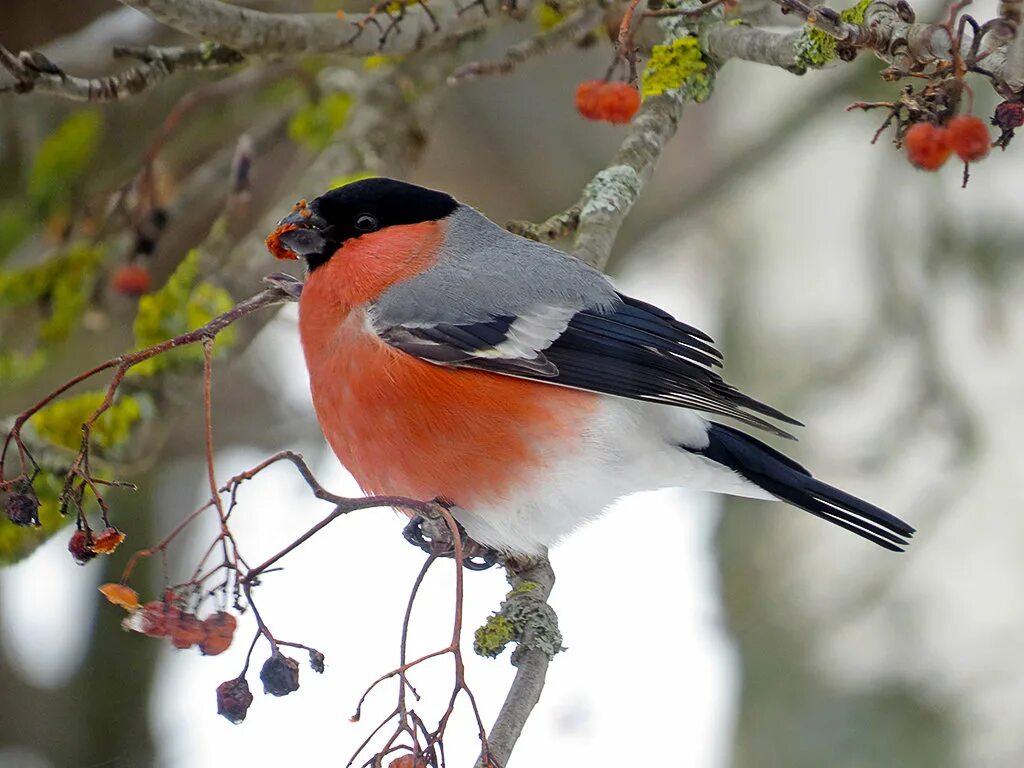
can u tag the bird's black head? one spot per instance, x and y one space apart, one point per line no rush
315 231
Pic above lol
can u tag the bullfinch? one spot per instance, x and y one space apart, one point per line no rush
450 359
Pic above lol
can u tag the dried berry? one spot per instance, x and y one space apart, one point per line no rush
80 547
184 629
131 280
107 540
969 138
23 509
927 146
233 699
1009 115
154 619
119 594
316 661
409 761
280 675
588 98
218 632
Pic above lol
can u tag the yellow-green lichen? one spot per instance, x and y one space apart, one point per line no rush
341 181
55 293
677 67
548 16
379 60
815 48
61 159
180 306
61 422
314 125
495 634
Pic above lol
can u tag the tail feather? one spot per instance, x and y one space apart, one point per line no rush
786 480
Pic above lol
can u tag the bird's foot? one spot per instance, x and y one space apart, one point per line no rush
434 538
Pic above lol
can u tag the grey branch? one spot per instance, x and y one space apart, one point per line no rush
777 49
34 72
414 27
610 195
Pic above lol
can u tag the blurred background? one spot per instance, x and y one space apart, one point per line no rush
878 304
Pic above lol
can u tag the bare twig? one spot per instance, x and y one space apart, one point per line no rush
569 29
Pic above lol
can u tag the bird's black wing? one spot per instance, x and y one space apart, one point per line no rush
631 349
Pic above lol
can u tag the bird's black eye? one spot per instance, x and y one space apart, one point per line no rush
366 222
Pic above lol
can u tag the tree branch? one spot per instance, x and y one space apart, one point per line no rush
34 72
413 27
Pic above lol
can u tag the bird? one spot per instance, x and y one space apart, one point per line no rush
452 360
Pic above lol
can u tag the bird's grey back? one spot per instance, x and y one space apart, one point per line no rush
486 271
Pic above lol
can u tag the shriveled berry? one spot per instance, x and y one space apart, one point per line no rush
280 675
218 632
121 595
408 761
107 540
1009 115
969 138
316 661
927 146
618 103
233 699
131 280
154 618
184 629
80 547
588 98
23 509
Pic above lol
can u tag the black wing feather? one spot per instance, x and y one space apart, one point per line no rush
632 350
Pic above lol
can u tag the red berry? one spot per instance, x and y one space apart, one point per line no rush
1009 115
619 102
233 699
969 138
131 280
218 631
184 630
80 547
927 146
588 98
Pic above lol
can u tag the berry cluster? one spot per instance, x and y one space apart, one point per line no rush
212 635
929 146
611 102
85 545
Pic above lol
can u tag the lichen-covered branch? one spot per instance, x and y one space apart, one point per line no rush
535 629
34 72
608 198
408 28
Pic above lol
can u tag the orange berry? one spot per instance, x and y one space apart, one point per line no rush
107 541
131 280
119 594
184 629
155 618
588 98
218 631
927 146
619 102
969 137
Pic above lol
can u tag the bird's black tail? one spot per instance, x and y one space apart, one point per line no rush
785 479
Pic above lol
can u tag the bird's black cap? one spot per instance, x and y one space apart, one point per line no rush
316 231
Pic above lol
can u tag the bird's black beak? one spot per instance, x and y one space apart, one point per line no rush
301 234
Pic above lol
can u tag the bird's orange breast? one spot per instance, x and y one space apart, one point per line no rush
407 427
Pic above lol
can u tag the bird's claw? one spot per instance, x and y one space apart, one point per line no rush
476 557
